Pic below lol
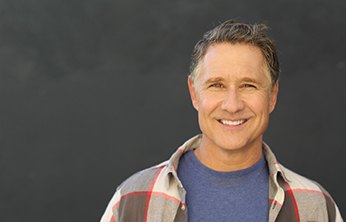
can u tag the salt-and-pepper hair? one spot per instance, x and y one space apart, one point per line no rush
234 32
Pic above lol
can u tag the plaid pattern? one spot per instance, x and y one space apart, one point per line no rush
156 194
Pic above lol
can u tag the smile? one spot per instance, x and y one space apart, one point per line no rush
232 123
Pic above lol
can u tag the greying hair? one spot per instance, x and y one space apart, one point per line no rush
234 32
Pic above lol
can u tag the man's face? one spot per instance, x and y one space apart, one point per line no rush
233 96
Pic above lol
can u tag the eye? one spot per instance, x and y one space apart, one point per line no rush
248 85
217 85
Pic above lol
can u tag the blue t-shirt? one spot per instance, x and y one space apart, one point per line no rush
224 196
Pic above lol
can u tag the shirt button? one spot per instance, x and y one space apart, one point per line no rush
183 207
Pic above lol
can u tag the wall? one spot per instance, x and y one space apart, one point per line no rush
93 91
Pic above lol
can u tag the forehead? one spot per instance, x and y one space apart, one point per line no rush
233 60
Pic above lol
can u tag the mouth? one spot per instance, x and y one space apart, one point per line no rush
232 122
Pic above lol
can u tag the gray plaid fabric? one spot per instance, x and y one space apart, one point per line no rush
156 194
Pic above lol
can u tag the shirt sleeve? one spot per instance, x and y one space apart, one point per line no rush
110 214
338 217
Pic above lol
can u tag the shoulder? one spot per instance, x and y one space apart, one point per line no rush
312 200
142 180
303 187
158 183
297 181
131 195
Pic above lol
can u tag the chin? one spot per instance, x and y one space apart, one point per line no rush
232 146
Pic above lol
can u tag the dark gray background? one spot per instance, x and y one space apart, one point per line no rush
93 91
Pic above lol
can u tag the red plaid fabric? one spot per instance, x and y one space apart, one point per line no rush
156 194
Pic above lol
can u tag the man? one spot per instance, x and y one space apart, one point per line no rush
227 173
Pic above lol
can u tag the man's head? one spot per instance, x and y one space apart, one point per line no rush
233 85
234 32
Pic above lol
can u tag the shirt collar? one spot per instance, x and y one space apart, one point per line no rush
275 169
188 145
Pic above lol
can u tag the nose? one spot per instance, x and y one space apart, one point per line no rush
232 101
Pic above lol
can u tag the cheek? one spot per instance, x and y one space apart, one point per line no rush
204 103
208 103
259 104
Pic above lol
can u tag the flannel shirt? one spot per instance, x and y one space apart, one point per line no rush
156 194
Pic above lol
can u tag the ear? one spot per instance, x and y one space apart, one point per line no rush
273 96
193 93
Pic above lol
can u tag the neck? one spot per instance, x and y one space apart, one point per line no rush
226 160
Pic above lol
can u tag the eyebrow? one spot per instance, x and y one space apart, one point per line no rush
251 80
213 80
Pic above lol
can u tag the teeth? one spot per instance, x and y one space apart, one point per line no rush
232 123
